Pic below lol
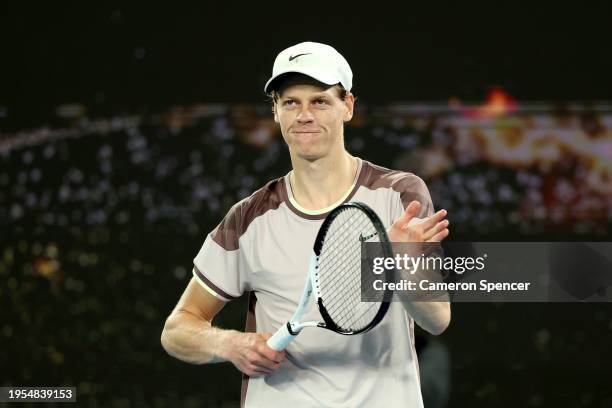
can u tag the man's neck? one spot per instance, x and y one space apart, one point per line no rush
321 183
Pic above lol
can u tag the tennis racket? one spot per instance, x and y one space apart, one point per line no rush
335 278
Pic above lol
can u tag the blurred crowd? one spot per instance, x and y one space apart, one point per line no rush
540 171
101 218
495 174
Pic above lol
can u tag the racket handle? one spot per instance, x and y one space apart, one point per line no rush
281 338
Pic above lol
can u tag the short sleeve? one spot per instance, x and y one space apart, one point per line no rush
411 188
220 266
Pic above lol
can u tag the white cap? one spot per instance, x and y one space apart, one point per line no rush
318 61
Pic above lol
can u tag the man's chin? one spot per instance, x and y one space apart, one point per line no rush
310 155
311 158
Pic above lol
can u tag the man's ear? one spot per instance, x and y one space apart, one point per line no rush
349 101
275 112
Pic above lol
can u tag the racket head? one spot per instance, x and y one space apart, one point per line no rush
337 276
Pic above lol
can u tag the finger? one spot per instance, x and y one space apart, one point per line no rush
437 228
263 361
256 372
265 365
440 236
412 209
273 355
252 370
269 353
434 219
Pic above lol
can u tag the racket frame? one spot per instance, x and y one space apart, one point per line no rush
294 326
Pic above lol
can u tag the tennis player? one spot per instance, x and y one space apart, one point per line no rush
263 247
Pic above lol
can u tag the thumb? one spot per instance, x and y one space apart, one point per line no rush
411 211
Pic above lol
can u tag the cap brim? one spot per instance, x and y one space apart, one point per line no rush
327 80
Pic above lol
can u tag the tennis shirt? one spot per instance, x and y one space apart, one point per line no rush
263 246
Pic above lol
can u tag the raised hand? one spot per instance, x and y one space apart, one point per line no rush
430 229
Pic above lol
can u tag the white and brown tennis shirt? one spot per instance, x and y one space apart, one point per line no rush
263 246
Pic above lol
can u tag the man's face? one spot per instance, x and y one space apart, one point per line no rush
311 120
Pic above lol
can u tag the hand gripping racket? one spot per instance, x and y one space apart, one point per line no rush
335 276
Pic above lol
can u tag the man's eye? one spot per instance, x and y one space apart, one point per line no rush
321 101
289 102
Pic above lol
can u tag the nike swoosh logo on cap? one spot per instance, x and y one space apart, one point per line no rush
292 57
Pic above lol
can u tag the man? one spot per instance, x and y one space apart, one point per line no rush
263 246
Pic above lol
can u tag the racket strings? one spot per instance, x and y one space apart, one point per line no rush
354 316
349 226
355 263
339 307
345 226
339 246
339 272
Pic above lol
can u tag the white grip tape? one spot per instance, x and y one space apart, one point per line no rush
280 339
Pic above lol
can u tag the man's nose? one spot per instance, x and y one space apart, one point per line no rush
305 115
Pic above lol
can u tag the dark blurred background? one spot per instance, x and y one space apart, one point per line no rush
127 132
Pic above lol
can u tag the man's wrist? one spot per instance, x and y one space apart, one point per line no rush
225 345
